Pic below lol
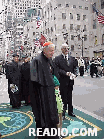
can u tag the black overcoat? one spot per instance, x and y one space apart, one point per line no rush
25 78
43 98
14 77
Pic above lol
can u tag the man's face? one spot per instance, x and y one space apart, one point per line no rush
16 59
65 50
49 52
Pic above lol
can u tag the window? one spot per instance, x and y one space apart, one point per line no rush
64 26
59 5
102 4
74 6
79 37
63 15
67 5
33 33
71 26
72 37
71 16
94 24
72 47
95 40
84 17
80 7
85 37
85 28
103 39
54 17
78 16
78 27
86 8
51 29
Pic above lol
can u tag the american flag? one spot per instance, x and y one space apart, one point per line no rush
101 19
38 22
100 16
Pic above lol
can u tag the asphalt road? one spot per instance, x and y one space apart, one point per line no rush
88 94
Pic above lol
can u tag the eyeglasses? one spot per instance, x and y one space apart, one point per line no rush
66 48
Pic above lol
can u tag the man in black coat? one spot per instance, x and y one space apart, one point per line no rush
14 79
67 72
43 100
25 80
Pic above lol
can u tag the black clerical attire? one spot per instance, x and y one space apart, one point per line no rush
66 84
43 100
14 77
25 82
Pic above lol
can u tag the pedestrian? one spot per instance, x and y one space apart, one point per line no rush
86 63
43 100
59 101
92 67
102 62
3 66
25 80
81 66
14 79
0 70
66 65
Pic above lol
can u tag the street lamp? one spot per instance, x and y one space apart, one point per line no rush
81 38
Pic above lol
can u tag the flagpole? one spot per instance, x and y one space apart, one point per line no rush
97 9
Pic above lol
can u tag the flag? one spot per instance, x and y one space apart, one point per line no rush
100 16
42 40
38 24
101 19
37 43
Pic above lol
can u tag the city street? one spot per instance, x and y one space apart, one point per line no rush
87 94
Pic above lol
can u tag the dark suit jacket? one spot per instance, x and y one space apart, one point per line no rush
63 67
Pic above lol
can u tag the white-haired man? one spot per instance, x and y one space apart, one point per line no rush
67 72
43 99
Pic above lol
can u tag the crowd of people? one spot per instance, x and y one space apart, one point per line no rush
46 83
95 66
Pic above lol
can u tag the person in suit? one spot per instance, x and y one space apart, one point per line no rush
14 79
67 70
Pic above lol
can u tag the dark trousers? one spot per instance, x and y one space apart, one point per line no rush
38 125
15 100
81 70
66 94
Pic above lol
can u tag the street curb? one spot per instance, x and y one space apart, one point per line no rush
89 113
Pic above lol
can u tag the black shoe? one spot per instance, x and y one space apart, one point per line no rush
71 114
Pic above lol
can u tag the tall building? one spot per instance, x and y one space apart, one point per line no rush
97 29
17 14
68 21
